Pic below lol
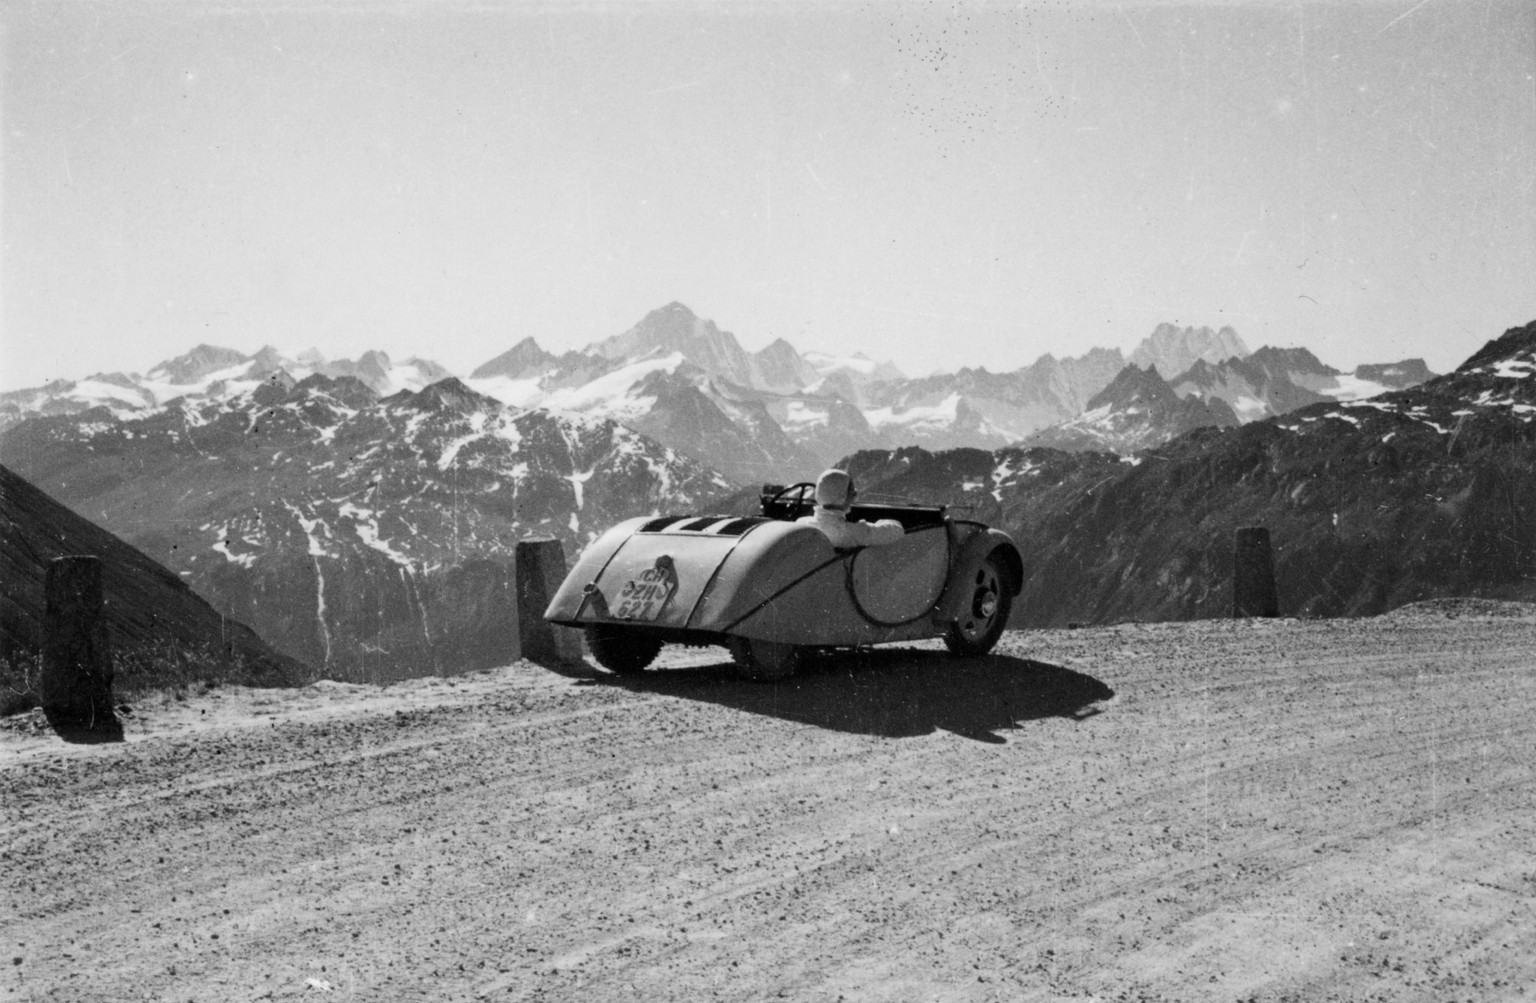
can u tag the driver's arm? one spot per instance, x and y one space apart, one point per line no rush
874 534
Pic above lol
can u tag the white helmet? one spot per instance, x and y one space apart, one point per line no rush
834 489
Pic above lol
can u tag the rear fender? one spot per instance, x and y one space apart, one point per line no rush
567 603
970 551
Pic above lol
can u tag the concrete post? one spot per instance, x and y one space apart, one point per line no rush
75 686
1253 577
540 570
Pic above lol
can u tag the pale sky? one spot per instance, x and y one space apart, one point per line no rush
938 185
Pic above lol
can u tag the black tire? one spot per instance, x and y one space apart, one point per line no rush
622 649
765 661
986 614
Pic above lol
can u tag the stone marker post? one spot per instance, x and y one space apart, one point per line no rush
540 570
75 687
1253 579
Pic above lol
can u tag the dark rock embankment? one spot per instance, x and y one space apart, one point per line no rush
161 632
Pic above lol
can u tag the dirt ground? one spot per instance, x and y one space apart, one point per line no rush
1256 810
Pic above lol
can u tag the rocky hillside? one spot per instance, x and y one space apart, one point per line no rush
368 537
159 630
1411 494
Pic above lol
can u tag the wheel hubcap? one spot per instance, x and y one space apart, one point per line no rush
983 604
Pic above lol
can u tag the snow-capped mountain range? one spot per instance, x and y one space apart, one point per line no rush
364 522
1371 502
778 413
210 372
366 536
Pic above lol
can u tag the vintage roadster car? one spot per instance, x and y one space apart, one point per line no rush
769 588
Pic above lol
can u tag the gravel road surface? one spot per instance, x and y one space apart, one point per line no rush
1221 810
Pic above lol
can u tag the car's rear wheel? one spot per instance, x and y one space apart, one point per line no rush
622 649
765 661
982 621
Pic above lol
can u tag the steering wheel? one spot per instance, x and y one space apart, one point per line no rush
806 488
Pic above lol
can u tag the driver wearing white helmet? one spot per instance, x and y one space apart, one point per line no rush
835 492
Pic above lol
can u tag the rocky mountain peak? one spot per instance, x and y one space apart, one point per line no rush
523 360
275 386
780 368
675 328
116 379
431 371
373 368
1174 349
194 365
1293 360
348 390
1137 410
1134 385
1201 375
266 360
1099 355
452 395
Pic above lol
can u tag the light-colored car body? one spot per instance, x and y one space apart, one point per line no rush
780 584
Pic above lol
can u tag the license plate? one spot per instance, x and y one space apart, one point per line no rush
644 596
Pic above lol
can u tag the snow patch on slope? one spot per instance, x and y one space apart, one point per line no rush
1353 388
613 393
365 524
931 417
523 393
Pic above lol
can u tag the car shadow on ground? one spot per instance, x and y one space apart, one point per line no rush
891 692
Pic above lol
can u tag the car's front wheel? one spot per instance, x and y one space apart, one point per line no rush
765 661
622 649
982 621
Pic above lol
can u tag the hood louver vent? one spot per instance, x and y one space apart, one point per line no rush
736 527
713 525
